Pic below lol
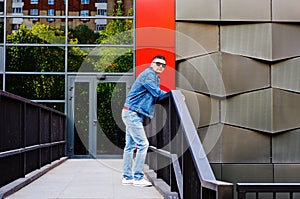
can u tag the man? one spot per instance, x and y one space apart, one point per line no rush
139 104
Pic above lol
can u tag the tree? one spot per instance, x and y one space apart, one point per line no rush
84 34
117 32
38 59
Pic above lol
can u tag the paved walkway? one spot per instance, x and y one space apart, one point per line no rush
84 179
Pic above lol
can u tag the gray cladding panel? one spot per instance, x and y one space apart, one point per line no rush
286 110
241 74
201 74
287 173
203 109
211 139
252 40
193 39
198 10
251 110
286 147
286 75
244 146
285 41
247 173
237 10
287 10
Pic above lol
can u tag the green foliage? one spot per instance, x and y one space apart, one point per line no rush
38 59
1 33
117 32
84 34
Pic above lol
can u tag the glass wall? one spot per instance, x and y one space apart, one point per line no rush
44 41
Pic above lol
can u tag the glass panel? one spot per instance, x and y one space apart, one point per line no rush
37 87
57 106
1 81
1 30
101 31
111 7
43 31
100 59
35 58
81 118
110 100
34 7
1 58
1 7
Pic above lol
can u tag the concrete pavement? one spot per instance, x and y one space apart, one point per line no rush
84 179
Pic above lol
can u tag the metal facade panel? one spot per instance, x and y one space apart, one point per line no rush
287 10
286 75
287 173
193 39
198 10
204 110
247 173
217 169
252 40
285 41
286 147
241 74
244 146
251 110
254 10
201 74
286 111
211 139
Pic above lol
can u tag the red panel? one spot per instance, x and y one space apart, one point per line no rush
143 60
155 34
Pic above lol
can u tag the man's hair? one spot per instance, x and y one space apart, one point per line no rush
159 57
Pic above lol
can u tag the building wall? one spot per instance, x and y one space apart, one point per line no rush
240 61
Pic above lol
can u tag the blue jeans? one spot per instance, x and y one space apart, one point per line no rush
135 139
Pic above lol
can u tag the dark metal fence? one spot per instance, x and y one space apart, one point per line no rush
31 136
268 190
177 156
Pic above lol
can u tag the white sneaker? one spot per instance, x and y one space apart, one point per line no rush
127 182
142 183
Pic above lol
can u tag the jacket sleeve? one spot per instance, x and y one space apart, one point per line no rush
153 87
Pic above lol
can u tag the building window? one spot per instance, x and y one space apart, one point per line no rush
85 1
100 27
51 2
84 13
17 10
101 12
50 13
34 1
34 12
102 1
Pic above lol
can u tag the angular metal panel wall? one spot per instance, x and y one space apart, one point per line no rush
286 147
254 10
203 109
198 10
196 39
286 75
250 110
241 74
251 40
254 72
286 11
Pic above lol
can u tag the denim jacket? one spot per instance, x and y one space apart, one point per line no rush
144 93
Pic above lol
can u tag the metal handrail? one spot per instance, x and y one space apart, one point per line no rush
32 136
244 188
179 120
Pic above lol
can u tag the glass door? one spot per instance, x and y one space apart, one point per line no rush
95 127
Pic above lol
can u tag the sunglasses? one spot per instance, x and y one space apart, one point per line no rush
160 64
